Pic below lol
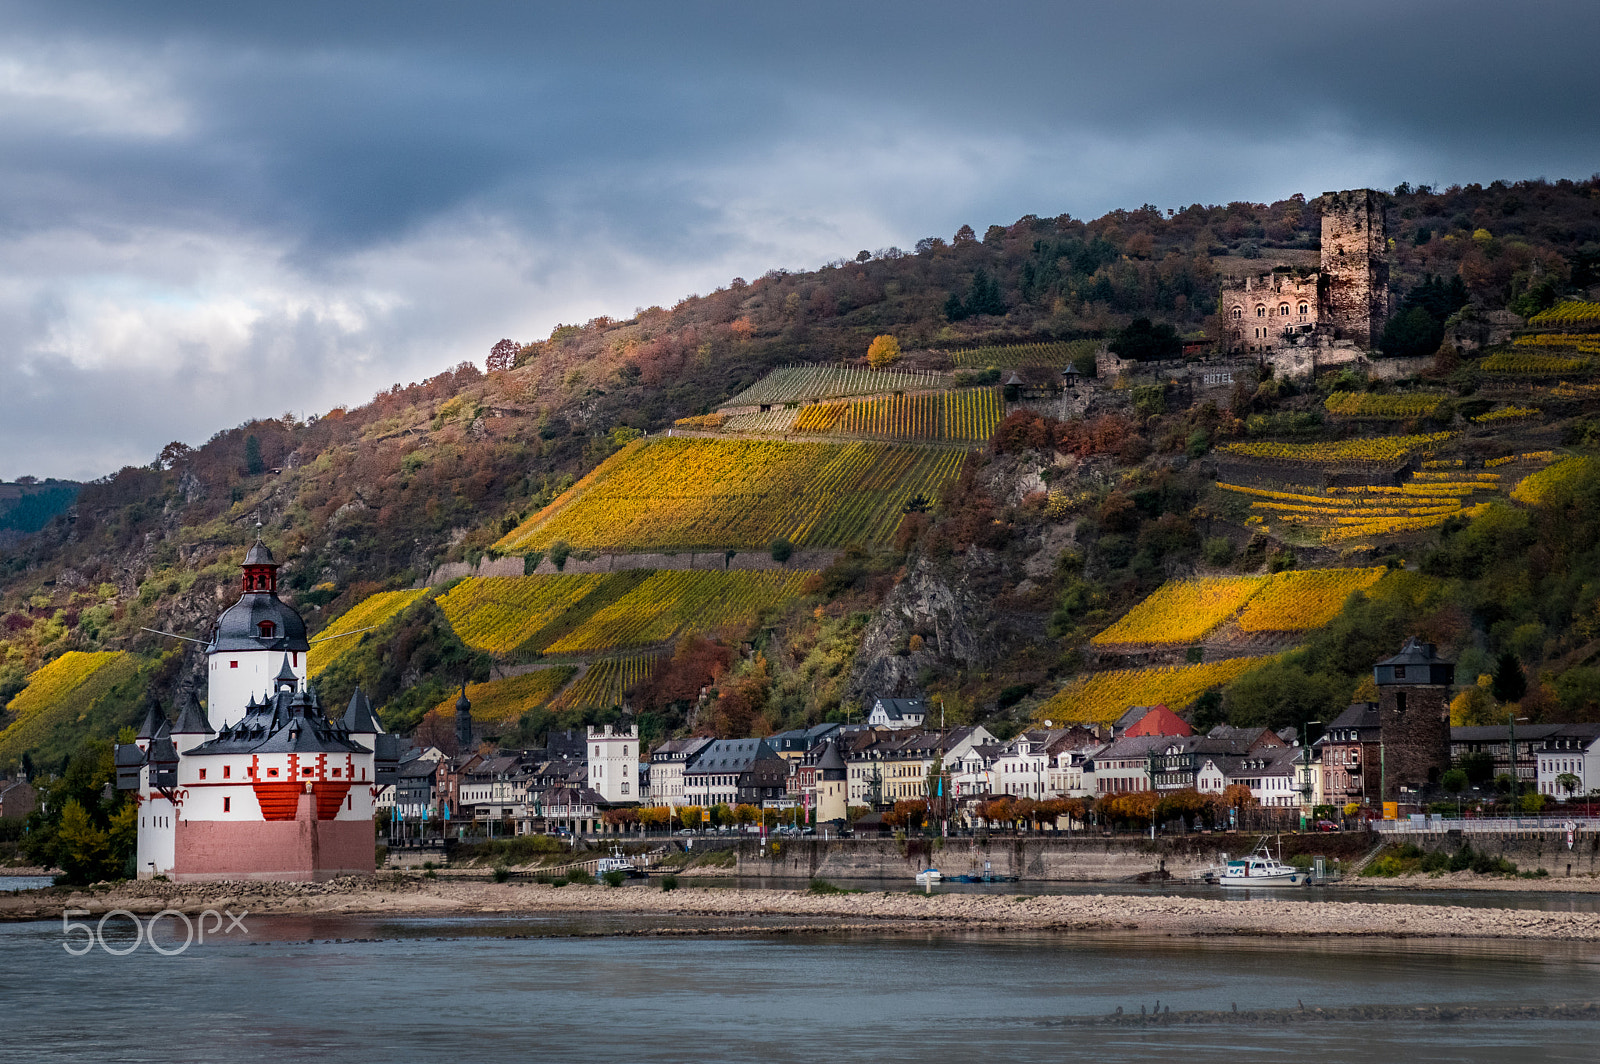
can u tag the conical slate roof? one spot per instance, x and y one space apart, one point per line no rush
154 719
462 704
192 721
259 554
830 764
358 718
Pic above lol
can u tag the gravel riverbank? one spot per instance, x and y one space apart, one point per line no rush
880 912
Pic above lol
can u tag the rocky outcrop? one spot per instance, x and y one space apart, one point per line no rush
929 618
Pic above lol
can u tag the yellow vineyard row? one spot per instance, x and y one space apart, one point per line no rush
370 612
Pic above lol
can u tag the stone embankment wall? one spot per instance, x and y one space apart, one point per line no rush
512 565
1528 850
1062 859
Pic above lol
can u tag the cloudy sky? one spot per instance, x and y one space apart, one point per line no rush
215 212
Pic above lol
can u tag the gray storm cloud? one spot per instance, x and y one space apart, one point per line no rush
209 215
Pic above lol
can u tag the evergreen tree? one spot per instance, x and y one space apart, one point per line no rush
252 456
1509 683
954 309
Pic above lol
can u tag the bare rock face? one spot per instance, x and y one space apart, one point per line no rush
1053 542
927 619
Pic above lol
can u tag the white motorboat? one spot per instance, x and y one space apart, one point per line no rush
929 875
1261 869
617 862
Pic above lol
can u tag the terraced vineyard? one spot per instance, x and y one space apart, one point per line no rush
800 383
601 612
673 600
1370 510
971 414
62 691
1554 481
1298 601
1569 313
1102 697
1375 450
1533 364
370 612
1057 355
501 613
1381 407
607 682
1182 611
739 494
503 701
781 420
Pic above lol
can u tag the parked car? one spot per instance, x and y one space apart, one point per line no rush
1327 825
686 831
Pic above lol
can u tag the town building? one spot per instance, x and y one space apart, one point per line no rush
897 714
614 763
713 777
667 763
1350 756
1569 762
17 799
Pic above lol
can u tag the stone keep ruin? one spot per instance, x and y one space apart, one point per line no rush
1343 302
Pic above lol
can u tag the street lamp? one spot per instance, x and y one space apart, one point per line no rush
1516 780
1309 790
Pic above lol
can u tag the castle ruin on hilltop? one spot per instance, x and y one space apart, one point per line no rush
1344 301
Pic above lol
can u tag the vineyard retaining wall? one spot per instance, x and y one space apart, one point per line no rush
512 565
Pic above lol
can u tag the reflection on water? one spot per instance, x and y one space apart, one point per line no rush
517 986
25 882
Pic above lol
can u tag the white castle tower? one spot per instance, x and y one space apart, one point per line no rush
251 641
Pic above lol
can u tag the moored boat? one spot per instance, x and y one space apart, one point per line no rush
929 875
1261 869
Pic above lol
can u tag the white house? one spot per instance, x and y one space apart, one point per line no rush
1573 750
897 713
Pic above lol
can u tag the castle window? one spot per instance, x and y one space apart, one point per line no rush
227 805
1400 702
267 628
1238 312
337 771
202 773
305 772
1399 672
1303 309
1283 310
272 772
227 771
1261 311
233 664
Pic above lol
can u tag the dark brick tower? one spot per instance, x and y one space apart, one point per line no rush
1414 717
1354 282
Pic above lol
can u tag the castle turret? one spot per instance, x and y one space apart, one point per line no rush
1355 264
832 786
251 639
192 728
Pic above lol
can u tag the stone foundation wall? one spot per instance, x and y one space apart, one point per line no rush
296 851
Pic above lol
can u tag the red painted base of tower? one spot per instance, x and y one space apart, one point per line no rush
302 850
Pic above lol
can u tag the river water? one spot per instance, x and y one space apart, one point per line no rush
530 988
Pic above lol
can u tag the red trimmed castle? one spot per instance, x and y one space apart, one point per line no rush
262 784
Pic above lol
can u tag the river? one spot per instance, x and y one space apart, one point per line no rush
474 989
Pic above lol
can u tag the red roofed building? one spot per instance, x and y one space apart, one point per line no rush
1159 720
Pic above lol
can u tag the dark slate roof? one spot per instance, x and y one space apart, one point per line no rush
258 554
895 708
1415 652
287 722
1500 733
358 717
831 762
154 718
193 720
239 626
1362 715
729 755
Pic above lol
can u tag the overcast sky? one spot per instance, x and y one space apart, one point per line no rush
215 212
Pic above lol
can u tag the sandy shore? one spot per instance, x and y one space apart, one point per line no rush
880 912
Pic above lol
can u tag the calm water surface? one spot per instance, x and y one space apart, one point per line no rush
471 989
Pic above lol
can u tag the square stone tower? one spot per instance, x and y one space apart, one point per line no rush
1414 717
1354 279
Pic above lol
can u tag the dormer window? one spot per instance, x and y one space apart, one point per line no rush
1399 672
268 629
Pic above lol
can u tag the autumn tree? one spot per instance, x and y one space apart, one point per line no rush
884 351
502 356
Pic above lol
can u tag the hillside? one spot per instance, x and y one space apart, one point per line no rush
720 517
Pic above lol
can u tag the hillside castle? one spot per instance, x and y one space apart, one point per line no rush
1346 299
262 784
